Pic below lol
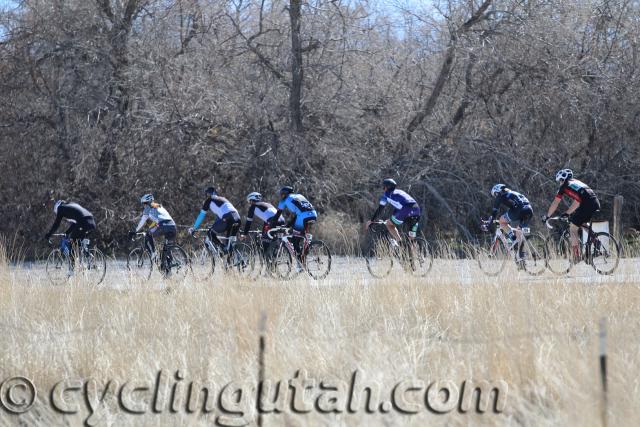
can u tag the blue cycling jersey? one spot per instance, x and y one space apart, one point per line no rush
296 204
398 199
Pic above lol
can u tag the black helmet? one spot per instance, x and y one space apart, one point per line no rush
286 189
210 190
389 183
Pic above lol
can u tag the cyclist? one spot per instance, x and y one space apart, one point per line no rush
159 222
519 209
303 214
227 222
82 222
264 211
585 204
405 209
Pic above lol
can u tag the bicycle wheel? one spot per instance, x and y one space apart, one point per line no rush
492 257
559 254
418 257
241 260
318 260
93 266
58 267
532 253
280 262
203 263
139 264
604 251
176 262
378 256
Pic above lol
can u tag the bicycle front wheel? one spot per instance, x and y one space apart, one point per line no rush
492 257
379 257
58 267
318 260
559 254
139 264
241 259
279 261
533 254
604 251
203 262
418 257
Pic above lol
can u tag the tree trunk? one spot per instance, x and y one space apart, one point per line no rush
297 73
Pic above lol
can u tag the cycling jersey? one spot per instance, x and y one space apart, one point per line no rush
218 205
296 204
73 213
263 210
512 200
156 214
398 199
576 190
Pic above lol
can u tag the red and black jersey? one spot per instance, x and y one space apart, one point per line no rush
576 190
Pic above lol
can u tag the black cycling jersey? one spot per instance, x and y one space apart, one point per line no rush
73 212
263 210
511 199
577 190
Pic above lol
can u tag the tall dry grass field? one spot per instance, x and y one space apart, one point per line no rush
540 337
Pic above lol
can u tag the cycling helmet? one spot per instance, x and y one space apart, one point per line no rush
57 205
389 183
147 198
255 196
210 190
564 174
286 189
497 189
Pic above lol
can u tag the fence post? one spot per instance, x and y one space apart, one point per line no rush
603 369
618 201
262 326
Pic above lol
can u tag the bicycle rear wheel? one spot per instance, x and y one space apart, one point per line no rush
492 256
241 260
139 264
378 256
532 253
58 267
94 266
176 262
318 260
559 254
605 253
418 257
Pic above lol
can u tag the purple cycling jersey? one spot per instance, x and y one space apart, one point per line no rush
398 199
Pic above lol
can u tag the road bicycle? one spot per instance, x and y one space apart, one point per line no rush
600 250
381 252
234 256
528 250
171 262
75 259
283 261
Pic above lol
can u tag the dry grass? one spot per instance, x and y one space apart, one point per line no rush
541 337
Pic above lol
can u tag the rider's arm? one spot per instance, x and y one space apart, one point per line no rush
377 212
56 223
199 219
554 205
274 219
142 222
249 219
496 206
574 205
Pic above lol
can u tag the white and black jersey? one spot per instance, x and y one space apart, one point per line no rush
219 206
262 210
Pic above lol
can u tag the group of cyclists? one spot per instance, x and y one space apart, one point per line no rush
301 216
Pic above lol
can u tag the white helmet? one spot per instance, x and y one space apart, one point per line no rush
147 198
497 189
564 174
255 196
57 205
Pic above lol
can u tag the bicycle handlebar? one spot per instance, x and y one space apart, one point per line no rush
277 229
555 218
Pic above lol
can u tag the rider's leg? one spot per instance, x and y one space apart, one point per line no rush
148 239
393 230
575 240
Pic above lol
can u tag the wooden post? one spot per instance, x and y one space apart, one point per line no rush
603 370
617 218
261 368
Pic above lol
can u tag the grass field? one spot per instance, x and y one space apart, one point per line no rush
539 336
